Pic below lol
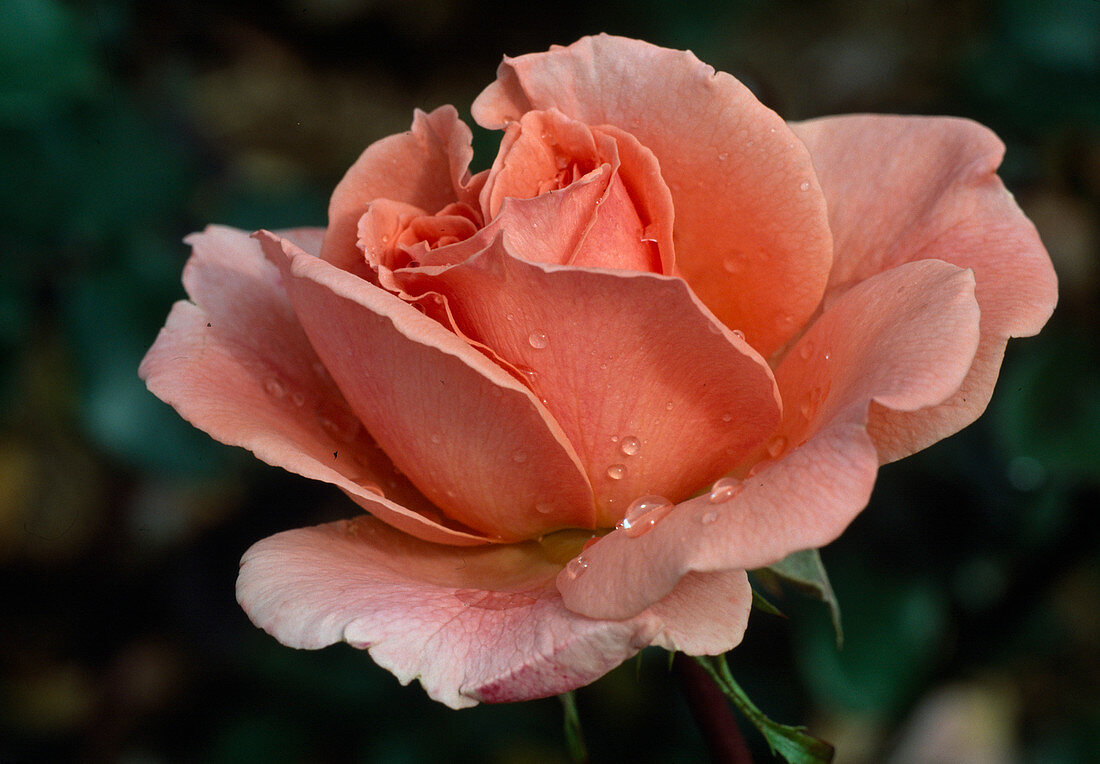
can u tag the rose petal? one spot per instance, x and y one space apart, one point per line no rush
425 167
653 393
465 432
237 365
754 246
483 624
907 188
905 339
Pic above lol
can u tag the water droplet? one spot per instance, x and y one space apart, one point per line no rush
643 514
738 334
576 567
727 417
630 445
274 388
437 438
371 486
777 446
298 399
511 316
616 471
714 328
668 406
725 489
827 356
519 457
723 156
343 428
731 265
544 507
806 349
538 340
804 185
708 518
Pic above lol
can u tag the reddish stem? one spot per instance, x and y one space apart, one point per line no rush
712 712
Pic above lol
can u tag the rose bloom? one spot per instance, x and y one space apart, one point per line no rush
665 339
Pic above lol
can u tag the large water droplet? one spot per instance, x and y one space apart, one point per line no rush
777 446
643 514
538 340
725 489
576 567
274 388
630 445
616 471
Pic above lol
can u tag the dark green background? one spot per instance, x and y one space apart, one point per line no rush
970 586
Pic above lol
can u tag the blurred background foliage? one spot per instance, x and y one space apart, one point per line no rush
970 587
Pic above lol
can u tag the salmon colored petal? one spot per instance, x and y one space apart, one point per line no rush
236 364
655 395
752 243
906 188
903 339
425 167
465 432
472 625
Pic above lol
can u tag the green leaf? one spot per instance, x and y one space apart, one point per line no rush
574 735
806 571
794 744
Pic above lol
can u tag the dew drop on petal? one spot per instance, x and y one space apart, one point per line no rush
643 514
777 446
708 518
544 507
731 265
298 399
806 349
519 457
437 438
576 567
616 471
738 334
722 157
725 489
274 388
630 445
538 340
804 185
371 486
668 406
727 417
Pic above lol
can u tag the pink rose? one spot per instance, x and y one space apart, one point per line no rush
657 286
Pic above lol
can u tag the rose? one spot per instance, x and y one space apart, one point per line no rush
658 285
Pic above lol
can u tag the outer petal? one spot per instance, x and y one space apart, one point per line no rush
463 430
237 364
754 246
903 339
655 395
906 188
425 167
482 624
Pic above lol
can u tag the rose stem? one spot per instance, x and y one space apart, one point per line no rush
712 713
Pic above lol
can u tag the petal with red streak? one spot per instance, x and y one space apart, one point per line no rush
236 364
908 188
483 624
903 339
633 368
751 233
467 434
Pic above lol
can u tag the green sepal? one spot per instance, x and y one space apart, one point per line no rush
807 573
